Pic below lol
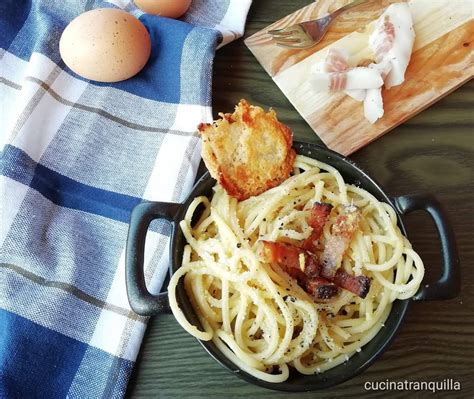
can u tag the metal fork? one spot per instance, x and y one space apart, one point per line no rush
309 33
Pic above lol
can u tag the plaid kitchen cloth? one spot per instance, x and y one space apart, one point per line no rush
76 157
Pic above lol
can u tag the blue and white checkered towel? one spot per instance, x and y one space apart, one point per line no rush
76 157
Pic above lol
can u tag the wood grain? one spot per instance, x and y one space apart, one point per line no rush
441 62
432 152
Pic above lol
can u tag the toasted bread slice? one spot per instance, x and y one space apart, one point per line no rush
247 152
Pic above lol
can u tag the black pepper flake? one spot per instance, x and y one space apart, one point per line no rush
239 245
285 297
264 219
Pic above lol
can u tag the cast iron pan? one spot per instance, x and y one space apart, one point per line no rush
144 303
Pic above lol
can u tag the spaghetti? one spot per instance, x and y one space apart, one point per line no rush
256 314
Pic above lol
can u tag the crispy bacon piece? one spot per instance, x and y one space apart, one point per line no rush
321 277
320 288
359 285
317 219
287 256
341 234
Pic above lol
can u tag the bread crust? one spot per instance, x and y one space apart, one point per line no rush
249 151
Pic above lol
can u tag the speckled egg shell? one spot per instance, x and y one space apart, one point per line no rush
106 45
165 8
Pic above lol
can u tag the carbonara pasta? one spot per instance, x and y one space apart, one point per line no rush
255 313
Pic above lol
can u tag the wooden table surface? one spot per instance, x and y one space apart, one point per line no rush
432 152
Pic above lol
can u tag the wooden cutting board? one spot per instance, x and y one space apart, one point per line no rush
441 61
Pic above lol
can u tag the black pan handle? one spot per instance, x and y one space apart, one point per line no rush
141 300
449 284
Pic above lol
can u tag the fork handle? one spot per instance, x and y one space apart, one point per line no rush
347 6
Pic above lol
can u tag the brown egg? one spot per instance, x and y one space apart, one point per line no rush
165 8
106 45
